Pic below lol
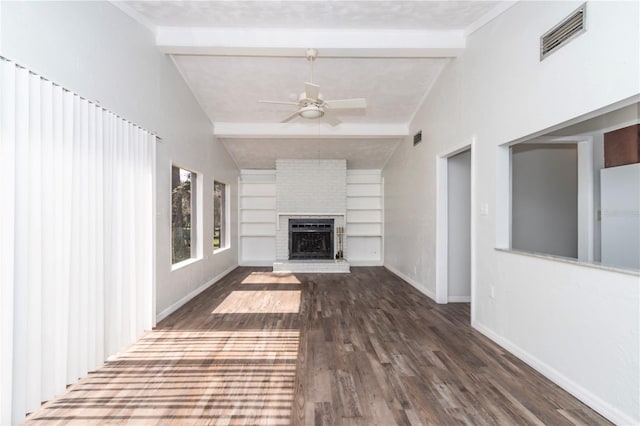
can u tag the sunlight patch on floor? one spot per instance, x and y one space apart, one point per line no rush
189 377
260 302
270 278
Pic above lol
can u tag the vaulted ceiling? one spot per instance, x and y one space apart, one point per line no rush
234 53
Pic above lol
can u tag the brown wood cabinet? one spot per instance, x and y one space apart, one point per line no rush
622 146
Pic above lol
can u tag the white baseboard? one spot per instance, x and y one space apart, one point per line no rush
262 263
257 263
174 307
365 262
584 395
411 281
459 299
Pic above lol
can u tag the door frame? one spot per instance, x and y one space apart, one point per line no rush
442 220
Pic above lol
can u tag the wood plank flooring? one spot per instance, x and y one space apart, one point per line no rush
363 348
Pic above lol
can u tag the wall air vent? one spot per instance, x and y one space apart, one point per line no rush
417 138
564 32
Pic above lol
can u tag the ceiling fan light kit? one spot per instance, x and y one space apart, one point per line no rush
310 103
311 112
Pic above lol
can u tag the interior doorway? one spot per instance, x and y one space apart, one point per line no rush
459 212
454 226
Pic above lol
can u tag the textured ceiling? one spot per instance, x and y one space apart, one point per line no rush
359 153
228 88
228 83
432 15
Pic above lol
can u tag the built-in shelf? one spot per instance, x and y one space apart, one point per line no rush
257 217
364 227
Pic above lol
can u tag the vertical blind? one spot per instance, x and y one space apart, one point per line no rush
76 255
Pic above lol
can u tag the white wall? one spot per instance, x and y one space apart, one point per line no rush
95 50
544 204
459 221
577 324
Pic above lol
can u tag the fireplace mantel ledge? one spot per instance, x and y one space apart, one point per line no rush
305 214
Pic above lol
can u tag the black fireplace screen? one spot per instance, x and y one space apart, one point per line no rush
310 238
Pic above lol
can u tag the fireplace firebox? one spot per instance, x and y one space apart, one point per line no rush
310 239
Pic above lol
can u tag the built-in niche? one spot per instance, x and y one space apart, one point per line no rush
563 201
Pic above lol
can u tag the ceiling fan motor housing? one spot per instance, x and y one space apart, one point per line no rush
304 100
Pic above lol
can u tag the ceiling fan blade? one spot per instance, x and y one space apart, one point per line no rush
291 117
279 102
331 120
356 103
311 91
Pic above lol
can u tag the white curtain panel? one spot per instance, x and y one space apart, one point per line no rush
76 254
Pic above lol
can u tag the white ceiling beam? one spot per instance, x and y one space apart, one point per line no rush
294 42
309 130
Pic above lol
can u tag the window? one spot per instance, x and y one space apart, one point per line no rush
183 190
220 212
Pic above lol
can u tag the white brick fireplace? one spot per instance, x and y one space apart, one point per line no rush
309 189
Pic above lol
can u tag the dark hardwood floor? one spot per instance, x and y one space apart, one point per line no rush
363 348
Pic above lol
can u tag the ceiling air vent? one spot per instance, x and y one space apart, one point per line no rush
565 31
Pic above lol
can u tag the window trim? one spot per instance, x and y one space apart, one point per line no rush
196 218
184 263
227 216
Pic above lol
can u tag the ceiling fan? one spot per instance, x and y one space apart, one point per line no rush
311 105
